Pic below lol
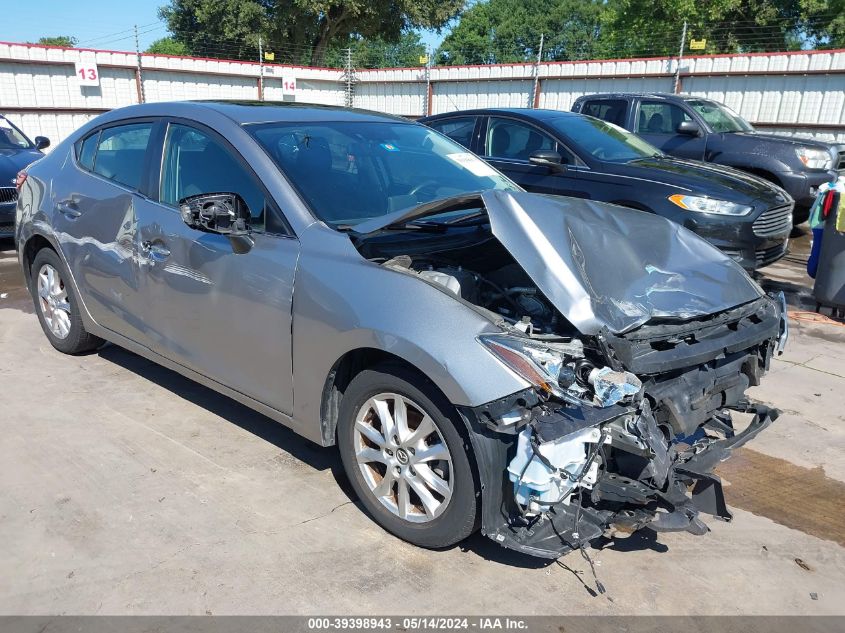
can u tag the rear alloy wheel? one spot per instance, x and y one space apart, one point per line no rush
52 299
57 306
405 457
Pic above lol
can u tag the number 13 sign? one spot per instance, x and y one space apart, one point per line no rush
87 74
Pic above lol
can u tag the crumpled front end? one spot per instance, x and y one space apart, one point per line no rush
611 448
638 338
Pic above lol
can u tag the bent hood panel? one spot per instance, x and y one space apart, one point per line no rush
604 265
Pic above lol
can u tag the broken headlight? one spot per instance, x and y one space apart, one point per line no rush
703 204
538 364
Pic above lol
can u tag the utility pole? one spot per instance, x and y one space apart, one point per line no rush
535 91
260 69
139 79
348 77
427 103
677 87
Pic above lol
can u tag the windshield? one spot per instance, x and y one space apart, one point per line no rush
349 172
720 118
11 137
603 140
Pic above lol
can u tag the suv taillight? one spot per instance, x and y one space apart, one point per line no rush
20 179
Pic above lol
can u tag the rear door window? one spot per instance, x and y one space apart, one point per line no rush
610 110
459 129
659 117
121 153
515 140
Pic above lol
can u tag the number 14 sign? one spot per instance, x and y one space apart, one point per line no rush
87 74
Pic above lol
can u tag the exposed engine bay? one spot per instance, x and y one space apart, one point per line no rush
620 429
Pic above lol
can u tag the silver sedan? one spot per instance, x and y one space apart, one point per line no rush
539 367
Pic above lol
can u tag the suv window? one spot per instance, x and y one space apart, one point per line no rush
507 138
610 110
659 117
195 163
458 129
121 151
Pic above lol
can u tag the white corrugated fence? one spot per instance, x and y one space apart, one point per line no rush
800 93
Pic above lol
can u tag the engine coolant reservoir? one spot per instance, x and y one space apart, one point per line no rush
535 482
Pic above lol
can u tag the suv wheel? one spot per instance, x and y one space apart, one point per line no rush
405 457
57 306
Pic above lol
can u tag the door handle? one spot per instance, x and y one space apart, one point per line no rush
68 209
155 249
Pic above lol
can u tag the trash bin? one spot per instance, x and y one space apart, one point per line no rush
829 289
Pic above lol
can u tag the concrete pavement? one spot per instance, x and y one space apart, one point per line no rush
127 489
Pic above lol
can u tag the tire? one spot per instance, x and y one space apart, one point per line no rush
58 309
423 524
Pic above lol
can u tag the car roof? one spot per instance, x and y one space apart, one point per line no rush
528 113
247 112
647 95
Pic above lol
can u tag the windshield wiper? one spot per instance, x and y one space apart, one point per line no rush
459 221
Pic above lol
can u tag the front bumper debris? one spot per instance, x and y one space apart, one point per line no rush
674 487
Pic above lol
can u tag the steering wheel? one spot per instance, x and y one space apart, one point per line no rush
423 185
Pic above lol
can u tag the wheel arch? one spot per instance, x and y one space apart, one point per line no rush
30 248
341 374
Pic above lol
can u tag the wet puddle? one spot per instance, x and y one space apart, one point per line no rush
801 498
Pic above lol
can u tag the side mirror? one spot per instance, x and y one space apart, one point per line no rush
222 213
547 158
42 142
689 128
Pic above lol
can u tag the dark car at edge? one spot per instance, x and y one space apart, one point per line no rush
16 152
702 129
560 153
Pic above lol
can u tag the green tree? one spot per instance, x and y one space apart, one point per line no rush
498 31
653 27
167 46
509 31
379 53
67 41
299 30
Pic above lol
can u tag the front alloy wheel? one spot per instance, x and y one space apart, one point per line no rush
403 458
406 452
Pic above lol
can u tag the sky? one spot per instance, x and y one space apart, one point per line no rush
95 23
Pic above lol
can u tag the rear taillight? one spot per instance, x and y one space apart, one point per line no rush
20 179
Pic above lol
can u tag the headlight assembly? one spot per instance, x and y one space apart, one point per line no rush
813 158
715 206
536 363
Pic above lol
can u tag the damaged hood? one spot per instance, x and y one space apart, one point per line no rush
607 266
602 265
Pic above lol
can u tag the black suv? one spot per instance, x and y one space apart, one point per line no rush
16 152
553 152
701 129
